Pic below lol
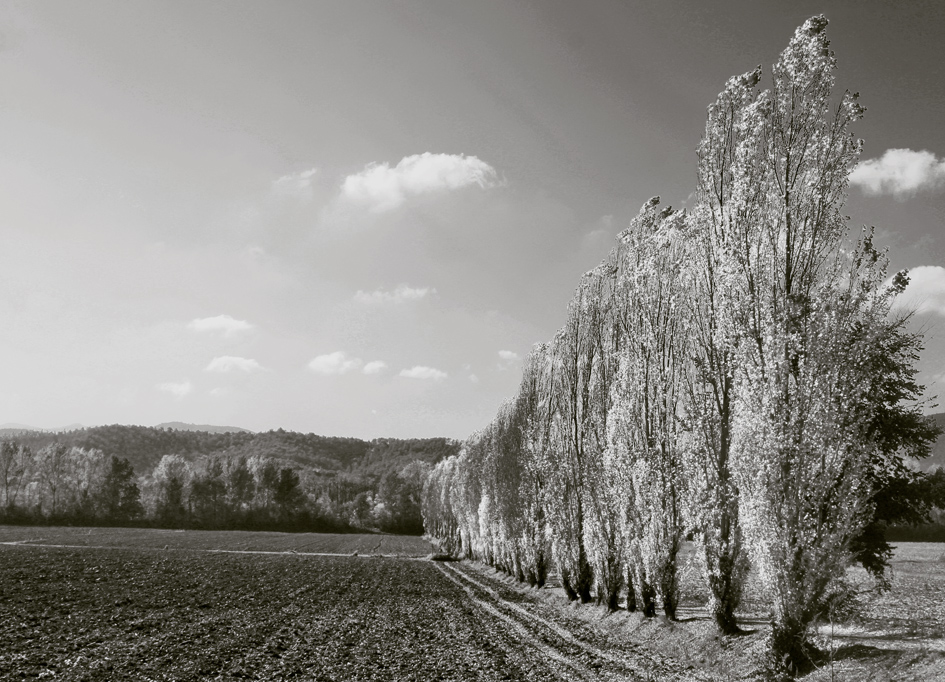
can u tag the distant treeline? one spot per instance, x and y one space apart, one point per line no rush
934 531
132 475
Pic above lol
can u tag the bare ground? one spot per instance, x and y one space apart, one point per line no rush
139 604
74 608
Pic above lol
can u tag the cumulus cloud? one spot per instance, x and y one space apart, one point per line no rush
399 295
382 188
334 363
926 290
221 323
228 363
295 185
374 367
178 389
900 172
508 355
421 372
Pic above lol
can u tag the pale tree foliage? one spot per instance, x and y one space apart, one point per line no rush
52 469
803 443
438 518
603 529
728 207
533 406
809 310
467 499
498 510
85 473
167 488
573 356
645 426
16 468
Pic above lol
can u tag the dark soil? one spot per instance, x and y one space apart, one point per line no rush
155 614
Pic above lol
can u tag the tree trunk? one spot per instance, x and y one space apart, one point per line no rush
648 594
669 606
791 655
725 619
568 589
541 570
585 577
613 600
631 593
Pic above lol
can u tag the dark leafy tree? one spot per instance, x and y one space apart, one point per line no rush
287 493
901 495
119 498
208 495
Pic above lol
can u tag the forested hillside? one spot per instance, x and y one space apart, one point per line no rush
144 446
186 478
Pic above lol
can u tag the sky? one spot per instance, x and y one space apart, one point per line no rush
356 218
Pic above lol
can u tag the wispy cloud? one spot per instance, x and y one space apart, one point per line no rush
178 389
295 185
221 323
399 295
926 290
228 363
900 172
334 363
374 367
508 355
382 188
421 372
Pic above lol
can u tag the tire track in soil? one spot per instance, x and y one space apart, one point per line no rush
558 642
520 631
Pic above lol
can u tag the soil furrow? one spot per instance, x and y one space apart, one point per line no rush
526 635
626 662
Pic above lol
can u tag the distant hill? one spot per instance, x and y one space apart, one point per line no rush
17 428
144 446
207 428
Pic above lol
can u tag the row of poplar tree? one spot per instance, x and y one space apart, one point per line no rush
734 371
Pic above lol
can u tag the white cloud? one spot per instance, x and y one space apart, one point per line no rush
473 379
176 388
374 367
295 185
399 295
334 363
900 172
382 188
926 290
508 355
220 323
228 363
420 372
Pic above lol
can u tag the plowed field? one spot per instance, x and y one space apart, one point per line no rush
139 604
90 609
